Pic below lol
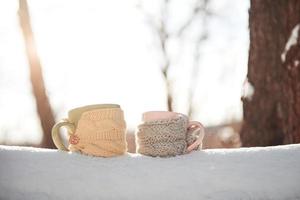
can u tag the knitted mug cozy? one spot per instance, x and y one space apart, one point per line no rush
99 132
167 137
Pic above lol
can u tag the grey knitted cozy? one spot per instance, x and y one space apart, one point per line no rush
165 138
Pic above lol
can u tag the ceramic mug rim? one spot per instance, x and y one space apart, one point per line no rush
93 106
161 112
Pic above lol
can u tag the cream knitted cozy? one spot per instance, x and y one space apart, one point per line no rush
164 138
100 132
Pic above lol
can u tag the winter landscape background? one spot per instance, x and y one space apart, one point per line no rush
100 51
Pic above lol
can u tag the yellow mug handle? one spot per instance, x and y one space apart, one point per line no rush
56 136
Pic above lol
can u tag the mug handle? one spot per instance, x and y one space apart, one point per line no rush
56 136
199 127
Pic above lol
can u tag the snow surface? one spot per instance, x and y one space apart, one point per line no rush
245 173
291 41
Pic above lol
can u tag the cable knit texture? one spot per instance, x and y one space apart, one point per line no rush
164 138
100 132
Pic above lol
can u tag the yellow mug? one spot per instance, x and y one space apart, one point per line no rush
74 118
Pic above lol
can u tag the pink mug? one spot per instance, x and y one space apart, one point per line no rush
161 115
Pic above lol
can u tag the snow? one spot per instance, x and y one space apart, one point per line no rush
248 90
245 173
291 41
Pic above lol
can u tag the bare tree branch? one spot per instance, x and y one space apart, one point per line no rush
161 32
200 7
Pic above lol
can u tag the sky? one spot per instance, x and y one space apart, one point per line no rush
105 52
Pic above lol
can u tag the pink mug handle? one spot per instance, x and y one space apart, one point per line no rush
199 127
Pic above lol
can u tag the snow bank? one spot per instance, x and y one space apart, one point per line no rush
246 173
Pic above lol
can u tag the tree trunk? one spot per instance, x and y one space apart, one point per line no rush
272 113
36 77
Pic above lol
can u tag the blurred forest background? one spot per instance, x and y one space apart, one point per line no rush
185 56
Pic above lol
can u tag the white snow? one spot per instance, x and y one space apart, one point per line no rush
291 41
245 173
248 90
